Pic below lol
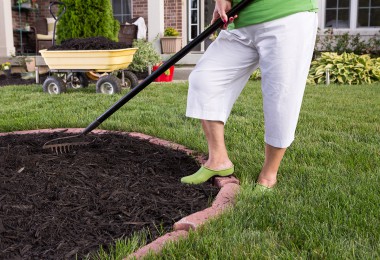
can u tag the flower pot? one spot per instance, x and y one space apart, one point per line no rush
170 44
167 76
30 64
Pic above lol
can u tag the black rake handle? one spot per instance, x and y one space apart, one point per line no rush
165 66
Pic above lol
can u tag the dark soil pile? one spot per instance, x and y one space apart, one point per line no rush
91 43
67 205
16 79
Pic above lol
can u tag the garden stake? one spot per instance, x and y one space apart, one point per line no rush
58 147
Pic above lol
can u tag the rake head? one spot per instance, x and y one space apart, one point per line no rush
59 148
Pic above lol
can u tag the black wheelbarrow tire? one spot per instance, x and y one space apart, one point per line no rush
54 85
130 78
109 84
78 80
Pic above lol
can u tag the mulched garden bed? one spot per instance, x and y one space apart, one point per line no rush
16 79
67 205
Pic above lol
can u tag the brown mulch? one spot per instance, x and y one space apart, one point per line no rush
65 206
16 79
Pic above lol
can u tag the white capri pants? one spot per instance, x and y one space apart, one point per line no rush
283 50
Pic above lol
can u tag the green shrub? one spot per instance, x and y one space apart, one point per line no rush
145 56
340 43
170 31
347 68
87 18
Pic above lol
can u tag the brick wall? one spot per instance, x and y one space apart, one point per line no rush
173 14
140 9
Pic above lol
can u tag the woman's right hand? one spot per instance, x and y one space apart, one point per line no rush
220 11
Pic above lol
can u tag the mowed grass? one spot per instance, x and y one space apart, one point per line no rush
327 201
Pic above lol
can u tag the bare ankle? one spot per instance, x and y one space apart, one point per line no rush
267 181
218 165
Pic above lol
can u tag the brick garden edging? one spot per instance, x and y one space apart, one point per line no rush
229 187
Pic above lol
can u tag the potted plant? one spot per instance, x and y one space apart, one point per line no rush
167 76
6 67
145 56
171 42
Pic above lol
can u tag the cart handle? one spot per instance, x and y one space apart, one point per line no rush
55 17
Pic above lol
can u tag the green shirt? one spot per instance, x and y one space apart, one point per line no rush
260 11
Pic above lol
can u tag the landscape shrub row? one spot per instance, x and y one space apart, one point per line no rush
343 59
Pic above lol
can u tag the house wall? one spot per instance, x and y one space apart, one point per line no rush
6 32
140 9
172 12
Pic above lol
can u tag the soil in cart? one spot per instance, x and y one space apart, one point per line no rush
67 205
90 43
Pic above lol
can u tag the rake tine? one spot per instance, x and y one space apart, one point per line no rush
60 148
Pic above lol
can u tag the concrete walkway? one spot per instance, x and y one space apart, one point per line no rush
182 72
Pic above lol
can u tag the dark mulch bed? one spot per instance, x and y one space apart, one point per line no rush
16 79
62 206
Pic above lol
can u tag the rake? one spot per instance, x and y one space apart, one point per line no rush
61 147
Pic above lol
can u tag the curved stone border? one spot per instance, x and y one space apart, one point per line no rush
229 187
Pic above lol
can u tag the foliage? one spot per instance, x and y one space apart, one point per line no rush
214 35
87 18
347 68
5 66
256 75
340 43
170 31
145 56
22 1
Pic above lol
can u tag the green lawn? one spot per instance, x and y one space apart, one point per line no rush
326 204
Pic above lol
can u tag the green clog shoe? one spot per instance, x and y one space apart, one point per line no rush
260 190
204 173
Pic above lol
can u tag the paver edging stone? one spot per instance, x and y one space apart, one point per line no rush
229 187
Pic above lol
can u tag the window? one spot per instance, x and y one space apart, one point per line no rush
368 13
338 13
193 17
122 10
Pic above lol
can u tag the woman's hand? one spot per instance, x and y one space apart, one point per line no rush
220 11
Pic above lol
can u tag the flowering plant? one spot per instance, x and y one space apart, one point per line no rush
167 72
5 66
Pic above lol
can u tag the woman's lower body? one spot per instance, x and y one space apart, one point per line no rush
283 49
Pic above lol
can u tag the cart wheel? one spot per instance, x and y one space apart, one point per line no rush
108 84
54 85
130 79
77 80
